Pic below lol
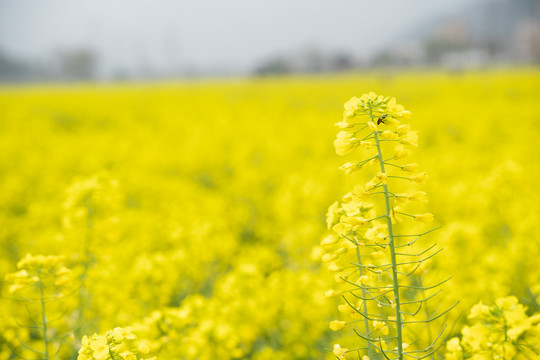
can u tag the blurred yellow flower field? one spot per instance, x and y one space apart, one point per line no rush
183 220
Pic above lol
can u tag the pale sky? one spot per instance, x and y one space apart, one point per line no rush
233 34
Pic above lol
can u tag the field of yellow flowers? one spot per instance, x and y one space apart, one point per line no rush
183 220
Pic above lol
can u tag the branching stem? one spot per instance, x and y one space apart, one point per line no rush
371 352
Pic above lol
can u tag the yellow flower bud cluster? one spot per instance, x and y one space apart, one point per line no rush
90 207
115 344
40 271
500 331
345 143
378 104
371 110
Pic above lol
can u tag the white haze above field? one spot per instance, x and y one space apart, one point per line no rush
207 34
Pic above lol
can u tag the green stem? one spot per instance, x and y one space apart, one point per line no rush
391 244
43 318
399 166
371 353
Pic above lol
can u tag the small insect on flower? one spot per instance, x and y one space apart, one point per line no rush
381 119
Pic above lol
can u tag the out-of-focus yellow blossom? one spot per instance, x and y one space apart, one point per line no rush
403 129
351 106
395 215
397 111
380 326
453 345
366 145
158 185
336 325
420 196
339 351
334 267
332 293
363 280
419 179
332 216
119 334
372 126
479 311
409 167
401 152
40 271
345 143
425 218
378 179
117 343
329 240
389 135
409 138
501 331
343 125
351 167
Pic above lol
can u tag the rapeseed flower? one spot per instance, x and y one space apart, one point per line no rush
339 352
371 245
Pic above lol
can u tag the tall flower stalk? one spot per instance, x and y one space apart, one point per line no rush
382 280
39 282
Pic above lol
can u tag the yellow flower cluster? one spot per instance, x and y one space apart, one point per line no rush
221 319
40 271
372 110
42 282
339 352
501 331
371 262
183 209
89 212
115 344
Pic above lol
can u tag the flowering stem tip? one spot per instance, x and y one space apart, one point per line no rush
364 252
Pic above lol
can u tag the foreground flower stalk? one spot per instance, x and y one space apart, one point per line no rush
40 280
116 344
383 276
